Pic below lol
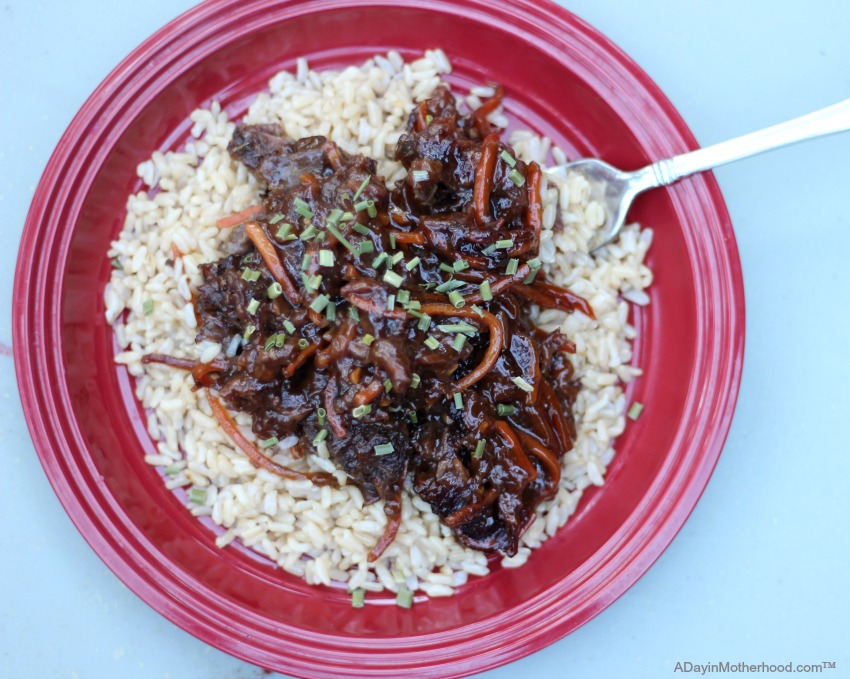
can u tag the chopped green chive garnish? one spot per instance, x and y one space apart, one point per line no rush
516 177
393 279
302 208
330 312
352 311
403 296
275 290
305 261
319 303
358 598
384 449
361 411
505 409
315 281
412 264
458 399
428 119
484 289
321 416
535 265
415 380
362 188
522 384
283 232
326 258
432 342
508 158
512 267
380 259
424 322
371 210
404 598
309 233
269 343
413 305
116 264
253 305
391 302
334 216
489 250
450 285
414 418
277 218
198 496
362 205
635 410
477 310
269 442
465 328
368 339
420 175
250 330
290 328
456 299
458 342
346 216
171 471
366 247
479 450
460 265
445 267
250 276
321 436
279 339
303 344
392 241
147 307
342 239
388 385
504 244
362 229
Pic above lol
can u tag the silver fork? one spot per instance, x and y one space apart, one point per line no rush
615 189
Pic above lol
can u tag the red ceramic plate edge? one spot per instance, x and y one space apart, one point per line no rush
38 284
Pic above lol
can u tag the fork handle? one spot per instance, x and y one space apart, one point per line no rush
829 120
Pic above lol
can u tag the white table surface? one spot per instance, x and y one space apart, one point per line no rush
760 571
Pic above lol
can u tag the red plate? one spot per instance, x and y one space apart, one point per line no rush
563 79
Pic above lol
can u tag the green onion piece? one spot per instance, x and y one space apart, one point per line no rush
404 598
393 279
275 290
346 216
269 343
414 418
315 281
365 247
380 259
450 285
512 267
269 442
250 330
428 119
424 322
290 328
253 305
522 384
283 232
302 208
274 220
346 195
456 299
334 216
321 436
508 158
413 305
479 450
279 339
458 342
396 258
427 286
392 241
460 265
535 265
484 289
420 175
368 339
371 210
458 399
477 310
403 296
489 250
431 342
384 449
361 411
309 233
319 303
362 188
362 229
504 244
445 267
412 264
415 380
171 471
388 385
505 409
303 343
465 328
390 302
358 598
330 312
635 410
116 264
320 237
326 258
321 416
305 261
362 205
147 307
352 311
247 259
198 496
516 177
342 239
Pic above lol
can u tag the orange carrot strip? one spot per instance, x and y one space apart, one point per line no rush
239 217
300 360
392 509
551 296
483 181
534 213
369 393
408 237
267 250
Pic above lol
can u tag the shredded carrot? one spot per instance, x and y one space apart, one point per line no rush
369 393
333 417
500 284
257 458
551 296
334 156
534 212
393 512
466 514
408 237
239 217
300 360
483 182
550 463
175 251
266 248
480 114
516 448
